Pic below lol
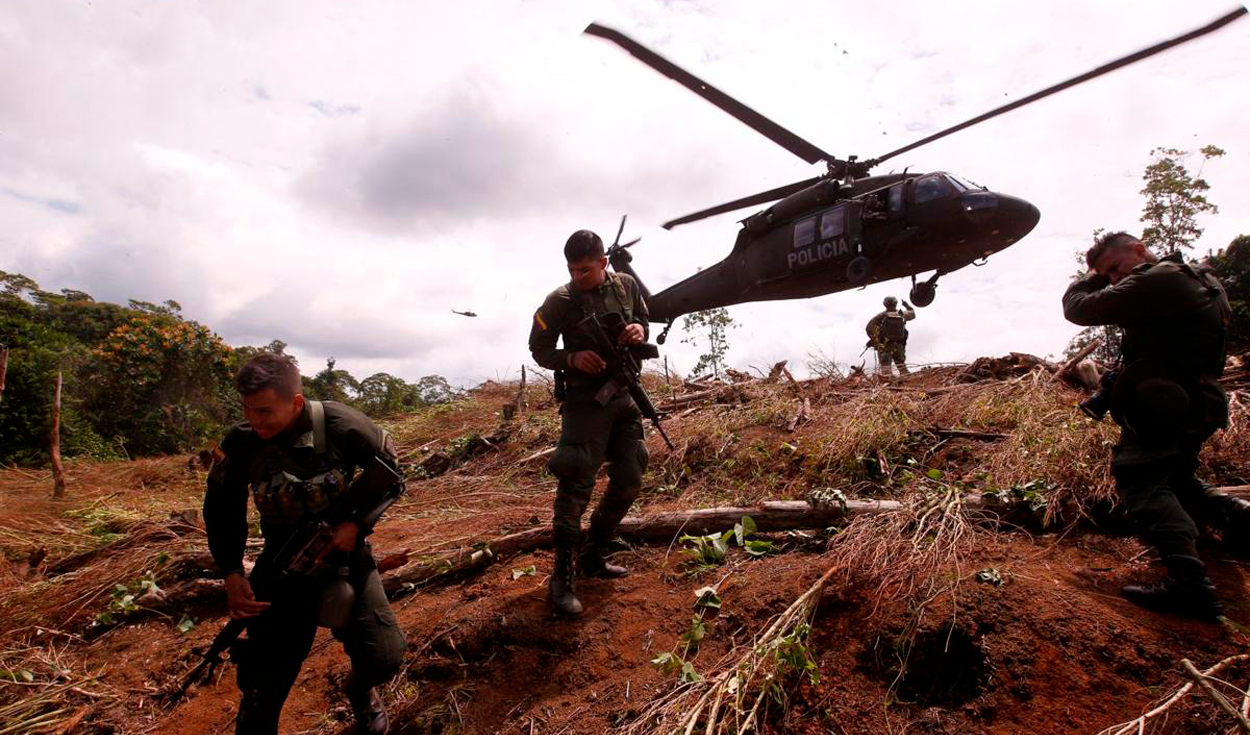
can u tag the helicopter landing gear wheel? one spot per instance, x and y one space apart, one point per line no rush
922 294
858 270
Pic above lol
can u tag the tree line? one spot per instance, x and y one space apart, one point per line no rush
141 379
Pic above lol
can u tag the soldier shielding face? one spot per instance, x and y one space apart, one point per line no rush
1167 400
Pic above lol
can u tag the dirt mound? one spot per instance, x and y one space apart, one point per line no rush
999 630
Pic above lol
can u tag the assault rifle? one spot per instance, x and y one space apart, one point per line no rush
624 366
374 490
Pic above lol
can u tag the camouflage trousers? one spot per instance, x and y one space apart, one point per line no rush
591 434
895 354
280 638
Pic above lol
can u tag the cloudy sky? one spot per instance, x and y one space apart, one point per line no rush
341 175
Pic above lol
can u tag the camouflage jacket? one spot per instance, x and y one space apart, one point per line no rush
879 337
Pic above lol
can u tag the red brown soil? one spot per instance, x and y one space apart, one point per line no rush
1054 649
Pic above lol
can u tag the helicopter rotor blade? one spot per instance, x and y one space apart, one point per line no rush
758 122
1104 69
763 197
620 230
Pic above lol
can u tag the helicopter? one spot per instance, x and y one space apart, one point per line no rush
464 313
844 228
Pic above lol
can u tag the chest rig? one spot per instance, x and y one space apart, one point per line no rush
296 482
615 301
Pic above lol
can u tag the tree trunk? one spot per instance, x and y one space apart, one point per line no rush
58 472
4 366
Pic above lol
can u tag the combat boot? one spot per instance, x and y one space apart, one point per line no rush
1186 590
560 589
593 563
367 706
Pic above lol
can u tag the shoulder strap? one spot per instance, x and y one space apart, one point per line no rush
318 413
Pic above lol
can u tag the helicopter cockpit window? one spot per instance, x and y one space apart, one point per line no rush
932 187
963 185
896 198
832 224
804 232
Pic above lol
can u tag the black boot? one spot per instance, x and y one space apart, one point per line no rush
563 596
367 706
594 564
1186 590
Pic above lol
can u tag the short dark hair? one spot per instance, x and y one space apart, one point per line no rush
581 245
1106 242
268 370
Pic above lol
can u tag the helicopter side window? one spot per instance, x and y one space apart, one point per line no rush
832 224
932 187
804 232
896 198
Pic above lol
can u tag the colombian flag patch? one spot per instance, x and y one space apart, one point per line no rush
538 317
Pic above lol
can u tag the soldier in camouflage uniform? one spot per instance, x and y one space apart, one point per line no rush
1173 316
591 432
887 334
296 456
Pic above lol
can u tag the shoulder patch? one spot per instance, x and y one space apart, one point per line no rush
538 319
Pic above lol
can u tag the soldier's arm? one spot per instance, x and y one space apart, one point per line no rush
225 507
1093 302
360 440
544 333
641 313
908 313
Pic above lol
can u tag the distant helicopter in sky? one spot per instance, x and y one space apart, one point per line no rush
845 229
463 313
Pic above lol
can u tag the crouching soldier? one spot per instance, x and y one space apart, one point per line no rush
297 457
592 432
1166 399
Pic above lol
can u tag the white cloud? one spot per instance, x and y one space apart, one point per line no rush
340 176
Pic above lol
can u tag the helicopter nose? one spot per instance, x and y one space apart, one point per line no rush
1017 217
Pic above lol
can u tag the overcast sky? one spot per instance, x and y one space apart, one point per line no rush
341 175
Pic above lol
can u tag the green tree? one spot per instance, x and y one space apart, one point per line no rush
1232 265
1174 199
331 384
713 327
383 394
161 385
434 389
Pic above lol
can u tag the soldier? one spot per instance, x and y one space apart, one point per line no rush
591 432
1166 400
887 334
296 456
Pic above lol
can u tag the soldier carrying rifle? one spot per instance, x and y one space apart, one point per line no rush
602 408
298 458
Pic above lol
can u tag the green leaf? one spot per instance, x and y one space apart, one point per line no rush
707 597
688 674
523 572
739 534
748 525
933 474
186 625
760 547
721 549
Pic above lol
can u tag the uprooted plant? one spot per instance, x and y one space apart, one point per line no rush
712 550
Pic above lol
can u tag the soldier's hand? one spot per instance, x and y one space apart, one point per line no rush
344 535
632 334
907 306
240 599
588 361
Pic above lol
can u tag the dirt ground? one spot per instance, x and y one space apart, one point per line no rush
1028 634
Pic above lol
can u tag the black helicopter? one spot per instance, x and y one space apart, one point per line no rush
845 229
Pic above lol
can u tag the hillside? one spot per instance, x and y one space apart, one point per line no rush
984 602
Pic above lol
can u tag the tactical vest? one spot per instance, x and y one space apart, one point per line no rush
893 327
291 484
576 338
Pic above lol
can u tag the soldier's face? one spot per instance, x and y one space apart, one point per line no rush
1118 261
270 413
588 273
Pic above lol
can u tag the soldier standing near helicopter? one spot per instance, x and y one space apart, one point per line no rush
591 431
887 334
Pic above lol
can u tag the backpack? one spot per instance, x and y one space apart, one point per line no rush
893 327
